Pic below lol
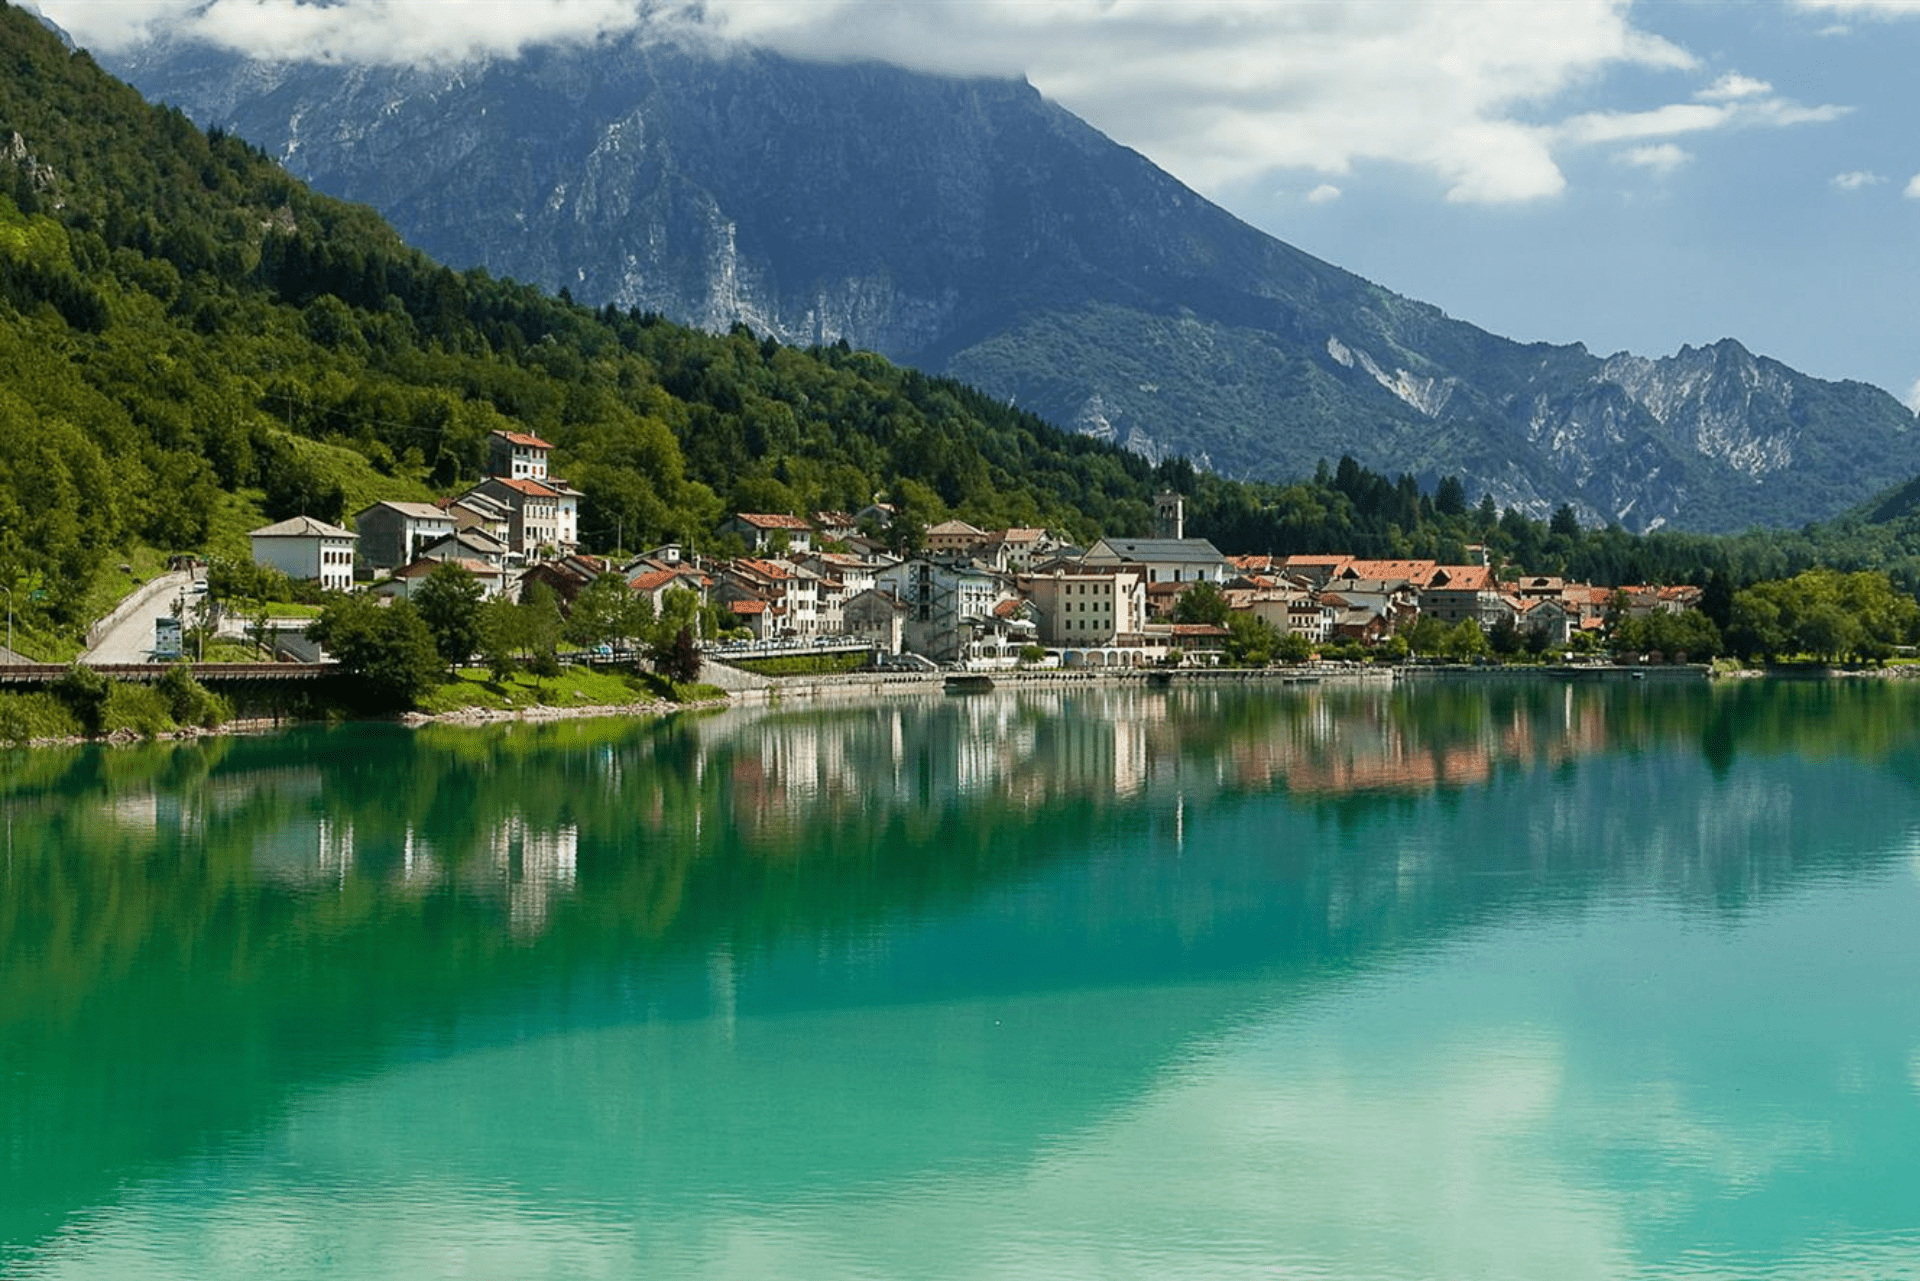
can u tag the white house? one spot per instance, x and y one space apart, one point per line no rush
1162 560
305 548
515 455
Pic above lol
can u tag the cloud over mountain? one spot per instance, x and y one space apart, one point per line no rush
1217 91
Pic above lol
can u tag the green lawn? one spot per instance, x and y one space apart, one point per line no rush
573 687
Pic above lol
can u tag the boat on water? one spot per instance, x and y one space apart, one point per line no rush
969 683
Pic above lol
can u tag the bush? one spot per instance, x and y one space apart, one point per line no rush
25 717
190 702
140 708
85 693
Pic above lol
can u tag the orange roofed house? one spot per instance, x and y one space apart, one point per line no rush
760 528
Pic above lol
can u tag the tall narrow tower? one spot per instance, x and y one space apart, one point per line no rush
1169 515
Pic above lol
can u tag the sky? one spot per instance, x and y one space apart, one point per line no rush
1631 176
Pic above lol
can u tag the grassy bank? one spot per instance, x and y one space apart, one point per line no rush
475 689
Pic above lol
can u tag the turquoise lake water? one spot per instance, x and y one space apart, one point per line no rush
1487 981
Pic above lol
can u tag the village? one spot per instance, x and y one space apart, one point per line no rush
960 596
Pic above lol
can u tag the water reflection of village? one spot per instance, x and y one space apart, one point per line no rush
1032 749
512 828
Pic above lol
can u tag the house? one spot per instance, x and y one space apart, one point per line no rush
948 603
1358 623
795 591
954 538
1288 610
1013 550
654 584
878 618
1162 560
835 526
842 577
566 514
1413 573
1089 608
475 510
763 530
1455 593
392 533
567 577
1013 625
406 580
517 456
761 619
1316 570
533 513
1198 638
1547 616
874 516
307 549
1396 603
468 544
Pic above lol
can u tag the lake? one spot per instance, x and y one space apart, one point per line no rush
1476 980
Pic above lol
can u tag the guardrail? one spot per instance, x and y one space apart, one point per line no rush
205 673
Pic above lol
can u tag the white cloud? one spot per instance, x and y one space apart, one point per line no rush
1733 86
1323 194
1662 122
1912 400
1736 102
1913 187
1865 8
1661 157
1854 179
1217 91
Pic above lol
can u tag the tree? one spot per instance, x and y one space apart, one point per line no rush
1251 640
679 613
85 693
1464 641
1505 637
499 624
541 629
681 661
1426 636
1293 647
388 649
600 612
449 603
1202 603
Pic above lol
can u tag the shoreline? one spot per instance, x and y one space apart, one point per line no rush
772 691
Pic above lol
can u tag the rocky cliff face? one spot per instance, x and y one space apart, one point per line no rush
973 228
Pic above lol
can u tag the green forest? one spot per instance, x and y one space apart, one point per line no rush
194 343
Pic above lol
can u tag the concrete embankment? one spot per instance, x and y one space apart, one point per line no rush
1684 673
894 684
745 688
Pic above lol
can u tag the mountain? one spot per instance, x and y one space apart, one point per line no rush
971 227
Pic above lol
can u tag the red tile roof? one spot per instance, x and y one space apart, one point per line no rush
773 520
521 438
531 488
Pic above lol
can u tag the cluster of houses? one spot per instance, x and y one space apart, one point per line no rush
973 596
519 516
